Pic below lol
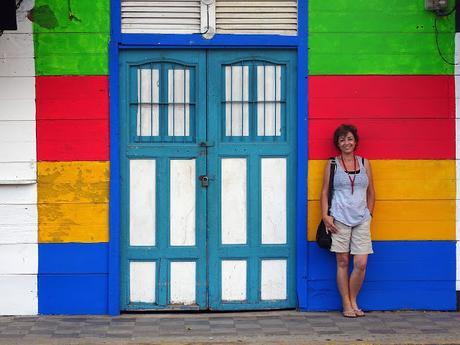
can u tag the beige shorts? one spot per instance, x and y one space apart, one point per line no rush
352 239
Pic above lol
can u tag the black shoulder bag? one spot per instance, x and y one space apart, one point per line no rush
323 238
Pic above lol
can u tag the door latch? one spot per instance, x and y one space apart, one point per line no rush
204 180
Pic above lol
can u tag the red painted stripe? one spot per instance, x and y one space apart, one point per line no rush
388 139
381 96
72 97
72 140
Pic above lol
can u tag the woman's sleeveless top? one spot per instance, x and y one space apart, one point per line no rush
350 209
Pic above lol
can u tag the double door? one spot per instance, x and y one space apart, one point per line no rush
208 179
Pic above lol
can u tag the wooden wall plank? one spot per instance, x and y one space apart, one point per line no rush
384 53
72 140
17 67
73 182
17 109
383 139
18 172
400 275
73 258
17 88
72 294
83 53
387 97
19 258
373 16
18 224
13 45
18 194
85 223
22 294
17 141
72 97
399 179
401 220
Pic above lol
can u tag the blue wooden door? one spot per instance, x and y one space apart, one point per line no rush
208 188
251 198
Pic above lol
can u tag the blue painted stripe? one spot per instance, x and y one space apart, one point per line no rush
115 196
302 157
400 275
218 41
72 294
67 258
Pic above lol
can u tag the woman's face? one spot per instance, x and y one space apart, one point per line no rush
347 143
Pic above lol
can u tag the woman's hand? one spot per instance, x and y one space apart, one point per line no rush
329 223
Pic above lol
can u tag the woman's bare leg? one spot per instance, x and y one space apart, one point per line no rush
342 279
357 278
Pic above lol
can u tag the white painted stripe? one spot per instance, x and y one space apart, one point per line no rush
234 208
14 195
183 282
19 88
18 224
234 280
17 109
183 204
16 46
18 258
273 280
18 172
142 202
273 200
17 67
17 141
18 295
142 281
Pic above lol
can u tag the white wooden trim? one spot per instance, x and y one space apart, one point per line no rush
18 172
18 224
18 194
18 141
18 295
17 67
19 258
19 88
16 46
17 109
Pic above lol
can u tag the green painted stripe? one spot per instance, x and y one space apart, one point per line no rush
383 53
71 16
71 54
374 16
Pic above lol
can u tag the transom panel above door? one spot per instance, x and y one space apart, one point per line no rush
208 179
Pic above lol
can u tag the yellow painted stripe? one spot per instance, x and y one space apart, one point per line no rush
399 179
59 223
403 220
75 182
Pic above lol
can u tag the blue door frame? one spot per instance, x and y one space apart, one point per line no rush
129 41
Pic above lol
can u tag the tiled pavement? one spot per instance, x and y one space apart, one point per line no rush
274 327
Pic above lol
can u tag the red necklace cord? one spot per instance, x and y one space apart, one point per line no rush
352 180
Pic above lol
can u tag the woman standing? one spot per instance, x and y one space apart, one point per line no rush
350 216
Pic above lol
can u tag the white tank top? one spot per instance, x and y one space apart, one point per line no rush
350 209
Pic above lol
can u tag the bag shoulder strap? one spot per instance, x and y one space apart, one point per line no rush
331 183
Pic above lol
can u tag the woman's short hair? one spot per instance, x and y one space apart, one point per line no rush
342 131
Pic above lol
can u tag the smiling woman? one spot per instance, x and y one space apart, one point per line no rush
350 215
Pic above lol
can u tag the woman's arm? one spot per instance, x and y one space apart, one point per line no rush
370 188
328 220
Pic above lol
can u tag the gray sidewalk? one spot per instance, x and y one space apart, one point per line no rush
272 327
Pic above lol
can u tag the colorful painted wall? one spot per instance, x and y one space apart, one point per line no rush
71 60
371 62
375 64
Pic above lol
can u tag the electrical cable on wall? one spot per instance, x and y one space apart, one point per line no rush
438 15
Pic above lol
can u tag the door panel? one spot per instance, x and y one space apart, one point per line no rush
163 120
230 116
251 200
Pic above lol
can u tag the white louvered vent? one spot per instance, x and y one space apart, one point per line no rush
256 17
167 16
